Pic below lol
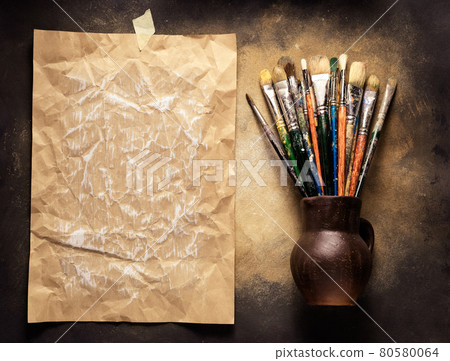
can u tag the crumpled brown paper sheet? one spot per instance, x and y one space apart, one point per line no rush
100 249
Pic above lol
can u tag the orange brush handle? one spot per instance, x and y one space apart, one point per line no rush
341 149
357 162
312 126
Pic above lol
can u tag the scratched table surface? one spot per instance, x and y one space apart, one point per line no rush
406 196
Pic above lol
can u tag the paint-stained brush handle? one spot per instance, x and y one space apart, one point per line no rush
349 133
324 145
334 147
341 149
352 155
300 154
304 128
278 149
286 141
282 155
314 138
360 148
375 135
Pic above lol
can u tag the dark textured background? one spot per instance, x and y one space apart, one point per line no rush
408 294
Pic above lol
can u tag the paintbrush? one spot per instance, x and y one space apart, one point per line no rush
369 100
308 102
332 96
352 156
356 80
281 86
388 95
320 76
265 80
342 125
279 150
289 68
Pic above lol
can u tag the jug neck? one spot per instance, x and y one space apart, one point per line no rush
331 213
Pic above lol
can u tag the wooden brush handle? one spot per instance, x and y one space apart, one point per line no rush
349 133
300 155
341 149
324 148
350 167
284 137
304 129
334 147
312 127
282 155
359 155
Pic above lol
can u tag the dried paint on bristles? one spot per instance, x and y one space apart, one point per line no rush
284 60
343 61
265 78
373 83
357 76
333 64
278 74
303 62
392 82
319 65
289 67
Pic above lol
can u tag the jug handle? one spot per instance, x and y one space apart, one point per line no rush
367 233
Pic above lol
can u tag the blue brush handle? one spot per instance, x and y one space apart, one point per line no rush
334 143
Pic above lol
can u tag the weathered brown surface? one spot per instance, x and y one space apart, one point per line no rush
406 196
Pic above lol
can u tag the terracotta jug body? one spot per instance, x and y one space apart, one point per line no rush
332 261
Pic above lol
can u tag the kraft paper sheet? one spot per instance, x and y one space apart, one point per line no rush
119 230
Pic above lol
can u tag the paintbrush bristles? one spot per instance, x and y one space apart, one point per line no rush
333 64
289 68
319 65
357 75
373 83
265 78
278 74
249 100
284 60
303 63
343 61
392 82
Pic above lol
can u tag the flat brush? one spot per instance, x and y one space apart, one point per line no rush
281 87
265 80
341 125
289 68
279 150
333 117
369 100
355 86
308 102
320 76
388 95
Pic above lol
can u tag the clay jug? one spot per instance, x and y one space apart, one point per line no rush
332 261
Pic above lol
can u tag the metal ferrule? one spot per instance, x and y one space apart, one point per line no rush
269 94
259 115
342 97
388 95
368 104
333 91
320 84
293 88
303 89
306 80
354 96
286 103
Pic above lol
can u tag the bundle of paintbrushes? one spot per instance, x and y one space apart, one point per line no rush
323 122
